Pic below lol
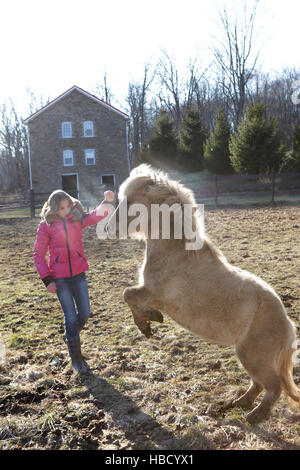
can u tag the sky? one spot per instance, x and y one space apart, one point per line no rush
49 46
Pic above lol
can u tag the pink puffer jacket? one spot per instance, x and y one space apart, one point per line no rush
63 239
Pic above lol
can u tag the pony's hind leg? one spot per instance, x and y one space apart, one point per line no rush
246 400
273 389
261 370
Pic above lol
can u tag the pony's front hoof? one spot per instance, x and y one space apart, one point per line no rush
144 328
147 331
154 315
158 316
257 415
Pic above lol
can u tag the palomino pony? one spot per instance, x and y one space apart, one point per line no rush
204 293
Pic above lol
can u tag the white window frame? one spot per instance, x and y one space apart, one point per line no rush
86 126
108 174
68 156
86 156
63 130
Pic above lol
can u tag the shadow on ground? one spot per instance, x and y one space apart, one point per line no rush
138 427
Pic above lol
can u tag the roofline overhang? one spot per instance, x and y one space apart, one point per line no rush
80 90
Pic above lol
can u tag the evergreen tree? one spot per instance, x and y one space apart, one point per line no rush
163 144
296 149
192 136
256 147
216 147
291 161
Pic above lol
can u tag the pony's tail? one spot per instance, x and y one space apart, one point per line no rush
285 369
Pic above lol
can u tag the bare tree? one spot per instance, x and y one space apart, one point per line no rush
178 92
7 174
236 56
103 89
35 101
13 150
139 110
275 91
171 90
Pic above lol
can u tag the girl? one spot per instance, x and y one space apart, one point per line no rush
61 231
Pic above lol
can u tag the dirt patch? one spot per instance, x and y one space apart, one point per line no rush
165 393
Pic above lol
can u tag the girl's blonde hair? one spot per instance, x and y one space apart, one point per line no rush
51 206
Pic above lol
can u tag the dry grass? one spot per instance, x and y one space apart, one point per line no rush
164 393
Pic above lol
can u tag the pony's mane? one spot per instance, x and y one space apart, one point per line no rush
160 188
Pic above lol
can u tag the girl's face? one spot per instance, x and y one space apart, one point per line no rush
64 208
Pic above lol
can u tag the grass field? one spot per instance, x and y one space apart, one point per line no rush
164 393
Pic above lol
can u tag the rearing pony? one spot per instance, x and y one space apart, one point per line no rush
204 293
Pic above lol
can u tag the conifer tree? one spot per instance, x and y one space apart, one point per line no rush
163 144
296 148
256 147
216 147
192 136
291 162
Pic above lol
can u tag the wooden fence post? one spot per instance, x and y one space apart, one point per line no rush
216 190
32 208
273 186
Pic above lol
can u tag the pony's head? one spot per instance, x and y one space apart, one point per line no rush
145 190
147 185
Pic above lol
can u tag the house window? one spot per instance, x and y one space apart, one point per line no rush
89 156
109 181
66 130
68 157
88 129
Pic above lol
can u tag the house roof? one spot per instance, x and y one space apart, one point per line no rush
80 90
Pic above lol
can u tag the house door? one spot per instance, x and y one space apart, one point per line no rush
69 184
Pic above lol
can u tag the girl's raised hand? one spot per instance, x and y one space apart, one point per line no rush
51 288
109 196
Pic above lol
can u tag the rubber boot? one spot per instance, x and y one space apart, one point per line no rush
74 348
80 327
65 334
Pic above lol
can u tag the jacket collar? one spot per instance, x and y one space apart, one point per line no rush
69 216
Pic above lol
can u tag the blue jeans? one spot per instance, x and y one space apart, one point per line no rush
69 289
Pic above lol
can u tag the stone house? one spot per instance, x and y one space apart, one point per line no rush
77 143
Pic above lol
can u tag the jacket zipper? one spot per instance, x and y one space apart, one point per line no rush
68 247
